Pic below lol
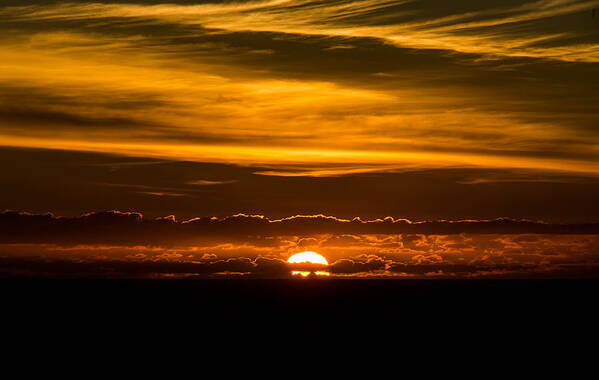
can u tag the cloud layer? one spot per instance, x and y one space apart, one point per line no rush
124 244
306 87
129 228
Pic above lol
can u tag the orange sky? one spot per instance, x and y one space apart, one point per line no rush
377 86
420 109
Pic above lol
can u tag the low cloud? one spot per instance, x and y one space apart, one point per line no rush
125 244
269 267
352 266
130 228
260 266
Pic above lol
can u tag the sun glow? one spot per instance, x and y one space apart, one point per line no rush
308 257
306 274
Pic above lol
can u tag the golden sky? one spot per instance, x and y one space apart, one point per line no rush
325 88
414 109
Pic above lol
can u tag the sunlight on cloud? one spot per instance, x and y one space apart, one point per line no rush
95 83
331 19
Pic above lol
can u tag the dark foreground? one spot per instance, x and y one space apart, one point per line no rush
237 312
243 296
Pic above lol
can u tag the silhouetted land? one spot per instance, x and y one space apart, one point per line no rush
236 313
351 296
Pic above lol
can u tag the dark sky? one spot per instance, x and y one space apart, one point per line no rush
71 183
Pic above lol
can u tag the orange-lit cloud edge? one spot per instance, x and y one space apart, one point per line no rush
101 244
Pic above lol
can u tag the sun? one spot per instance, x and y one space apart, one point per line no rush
308 257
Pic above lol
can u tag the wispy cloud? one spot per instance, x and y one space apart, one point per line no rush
375 86
406 23
206 182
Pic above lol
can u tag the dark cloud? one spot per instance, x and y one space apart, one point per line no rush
352 266
72 183
113 268
130 228
442 269
260 266
265 267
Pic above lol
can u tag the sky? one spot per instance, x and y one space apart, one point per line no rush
418 110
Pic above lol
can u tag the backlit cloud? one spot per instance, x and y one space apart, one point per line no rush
131 229
326 88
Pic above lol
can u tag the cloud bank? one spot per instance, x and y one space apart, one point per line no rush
125 245
130 228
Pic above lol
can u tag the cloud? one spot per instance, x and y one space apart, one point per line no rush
124 244
268 267
206 182
130 228
461 27
360 265
159 266
463 270
112 268
502 86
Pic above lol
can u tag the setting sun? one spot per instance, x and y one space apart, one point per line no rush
308 257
